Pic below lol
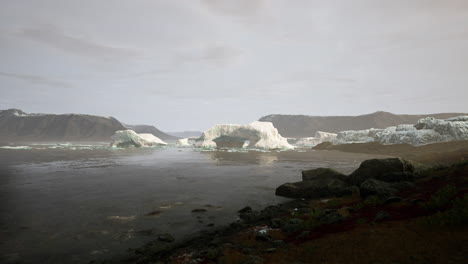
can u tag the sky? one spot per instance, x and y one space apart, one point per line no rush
189 64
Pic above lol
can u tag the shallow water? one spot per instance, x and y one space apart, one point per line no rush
65 205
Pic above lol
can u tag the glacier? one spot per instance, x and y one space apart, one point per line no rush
256 135
426 130
129 138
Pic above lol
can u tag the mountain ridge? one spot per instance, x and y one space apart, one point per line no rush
151 130
19 126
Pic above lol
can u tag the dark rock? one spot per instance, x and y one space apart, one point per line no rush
313 189
381 215
154 213
248 251
157 247
210 225
331 218
303 234
293 225
322 173
216 241
271 211
253 259
393 199
147 232
199 210
377 168
270 250
396 177
250 216
278 243
277 223
165 238
264 238
418 200
382 189
246 209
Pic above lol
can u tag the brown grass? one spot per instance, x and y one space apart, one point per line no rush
431 153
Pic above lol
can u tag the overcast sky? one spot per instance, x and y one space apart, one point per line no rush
187 65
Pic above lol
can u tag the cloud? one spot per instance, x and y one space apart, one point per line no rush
60 40
235 8
35 79
211 55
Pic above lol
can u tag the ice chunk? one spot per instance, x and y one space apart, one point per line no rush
313 141
427 130
129 138
256 135
357 136
183 142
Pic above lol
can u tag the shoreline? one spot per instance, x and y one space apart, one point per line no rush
268 235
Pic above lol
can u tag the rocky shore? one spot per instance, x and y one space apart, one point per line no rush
387 211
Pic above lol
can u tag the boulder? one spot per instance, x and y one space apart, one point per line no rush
381 189
382 169
322 173
396 177
314 189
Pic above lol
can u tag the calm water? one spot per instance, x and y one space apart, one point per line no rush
72 206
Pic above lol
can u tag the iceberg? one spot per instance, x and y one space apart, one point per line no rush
357 136
129 138
427 130
317 139
183 142
256 135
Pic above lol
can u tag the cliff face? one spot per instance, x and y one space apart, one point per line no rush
16 125
151 130
306 126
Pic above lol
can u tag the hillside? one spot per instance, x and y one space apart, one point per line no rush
16 125
151 130
306 126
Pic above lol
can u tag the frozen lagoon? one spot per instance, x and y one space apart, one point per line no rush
75 203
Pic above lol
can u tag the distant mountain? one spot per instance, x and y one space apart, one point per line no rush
306 126
16 125
151 130
186 134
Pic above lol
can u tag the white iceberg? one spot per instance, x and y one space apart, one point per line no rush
129 138
425 131
256 135
313 141
357 136
183 142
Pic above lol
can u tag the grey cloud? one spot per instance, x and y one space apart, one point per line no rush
80 46
218 55
235 8
35 79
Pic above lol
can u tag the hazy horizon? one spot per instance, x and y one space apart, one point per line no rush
183 66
